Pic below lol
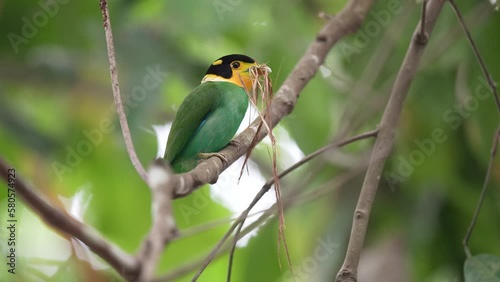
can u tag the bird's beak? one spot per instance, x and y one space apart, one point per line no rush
262 69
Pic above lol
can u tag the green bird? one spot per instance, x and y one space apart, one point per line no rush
210 115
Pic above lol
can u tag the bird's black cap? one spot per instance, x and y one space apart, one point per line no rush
222 66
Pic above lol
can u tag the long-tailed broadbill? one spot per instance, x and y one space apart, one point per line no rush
210 115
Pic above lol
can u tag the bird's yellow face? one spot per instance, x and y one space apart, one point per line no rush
234 69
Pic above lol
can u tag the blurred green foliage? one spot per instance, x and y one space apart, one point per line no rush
55 100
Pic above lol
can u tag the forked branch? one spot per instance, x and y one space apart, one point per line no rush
385 138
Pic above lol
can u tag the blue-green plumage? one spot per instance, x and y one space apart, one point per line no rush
206 122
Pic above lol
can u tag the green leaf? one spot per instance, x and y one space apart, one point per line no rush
482 268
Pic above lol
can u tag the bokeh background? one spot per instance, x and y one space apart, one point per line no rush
58 129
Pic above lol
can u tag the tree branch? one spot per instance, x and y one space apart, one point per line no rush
162 182
116 92
122 262
384 142
347 21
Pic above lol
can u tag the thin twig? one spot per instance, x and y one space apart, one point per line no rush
476 18
267 186
195 230
368 134
496 135
123 263
116 92
235 241
476 53
162 182
214 251
493 152
384 142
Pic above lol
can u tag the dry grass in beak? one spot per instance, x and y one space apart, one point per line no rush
263 70
262 86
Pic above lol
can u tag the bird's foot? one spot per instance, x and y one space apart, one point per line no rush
207 156
235 143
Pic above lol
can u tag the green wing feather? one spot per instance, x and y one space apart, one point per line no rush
206 121
188 119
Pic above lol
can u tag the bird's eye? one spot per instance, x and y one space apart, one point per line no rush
235 65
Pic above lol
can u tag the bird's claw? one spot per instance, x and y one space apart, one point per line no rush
206 156
234 143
